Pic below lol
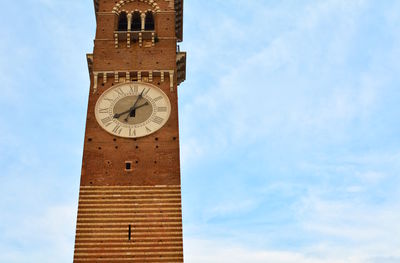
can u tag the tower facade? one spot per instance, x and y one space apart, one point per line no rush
130 191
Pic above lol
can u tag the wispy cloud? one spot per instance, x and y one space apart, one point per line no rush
295 132
45 237
222 251
289 130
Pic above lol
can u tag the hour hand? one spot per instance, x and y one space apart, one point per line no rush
131 111
117 115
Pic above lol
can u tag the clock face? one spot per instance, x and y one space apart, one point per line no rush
132 110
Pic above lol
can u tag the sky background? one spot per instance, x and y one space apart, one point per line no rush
289 120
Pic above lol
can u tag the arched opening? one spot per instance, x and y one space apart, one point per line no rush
123 22
136 22
149 22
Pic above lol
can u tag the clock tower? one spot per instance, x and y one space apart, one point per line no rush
130 191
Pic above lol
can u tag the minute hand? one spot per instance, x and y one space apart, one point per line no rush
136 102
132 111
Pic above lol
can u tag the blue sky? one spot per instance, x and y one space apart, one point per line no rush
289 118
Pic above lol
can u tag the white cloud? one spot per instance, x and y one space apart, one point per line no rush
350 222
267 92
46 237
267 72
217 251
231 208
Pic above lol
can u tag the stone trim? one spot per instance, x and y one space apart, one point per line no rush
125 76
118 7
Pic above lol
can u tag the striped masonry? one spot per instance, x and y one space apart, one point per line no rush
106 213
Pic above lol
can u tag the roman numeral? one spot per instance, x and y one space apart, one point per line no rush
134 89
162 109
147 129
107 121
132 132
117 129
108 99
119 91
158 120
103 110
158 98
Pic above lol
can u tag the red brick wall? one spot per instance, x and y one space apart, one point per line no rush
148 199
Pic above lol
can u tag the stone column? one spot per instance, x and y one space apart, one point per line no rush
95 80
129 22
143 16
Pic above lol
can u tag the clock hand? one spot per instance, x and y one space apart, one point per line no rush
117 115
132 111
136 102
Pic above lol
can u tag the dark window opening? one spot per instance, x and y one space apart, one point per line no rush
130 232
149 21
123 22
136 22
128 166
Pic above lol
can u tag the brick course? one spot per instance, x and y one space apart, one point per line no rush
148 199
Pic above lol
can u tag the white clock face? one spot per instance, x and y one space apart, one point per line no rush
132 110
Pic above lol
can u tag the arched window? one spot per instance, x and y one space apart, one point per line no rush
136 22
123 22
149 22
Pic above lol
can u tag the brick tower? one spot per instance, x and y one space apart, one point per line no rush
130 193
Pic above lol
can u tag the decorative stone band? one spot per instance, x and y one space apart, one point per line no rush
144 38
129 224
118 6
171 4
133 75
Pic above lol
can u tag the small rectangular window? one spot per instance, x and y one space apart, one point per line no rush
130 232
128 166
